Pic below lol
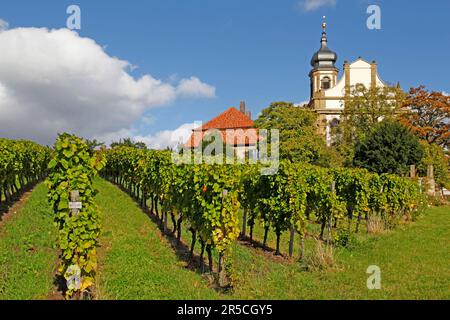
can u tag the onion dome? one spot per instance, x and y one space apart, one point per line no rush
324 59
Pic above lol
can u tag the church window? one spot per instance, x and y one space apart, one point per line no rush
326 83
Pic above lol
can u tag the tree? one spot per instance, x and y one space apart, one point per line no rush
435 155
299 140
128 142
388 148
364 108
428 115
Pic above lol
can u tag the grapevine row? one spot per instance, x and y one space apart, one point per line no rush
72 169
22 164
207 197
203 197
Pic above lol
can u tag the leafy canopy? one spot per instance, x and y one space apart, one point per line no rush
388 148
299 140
428 115
364 108
435 155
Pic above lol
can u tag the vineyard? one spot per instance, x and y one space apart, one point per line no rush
207 199
22 164
222 214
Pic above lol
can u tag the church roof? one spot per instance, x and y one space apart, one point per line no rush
324 58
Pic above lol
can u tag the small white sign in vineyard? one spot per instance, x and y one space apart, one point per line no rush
75 205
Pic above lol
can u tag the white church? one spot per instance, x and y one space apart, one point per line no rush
328 94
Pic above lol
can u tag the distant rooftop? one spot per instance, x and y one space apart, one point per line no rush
230 119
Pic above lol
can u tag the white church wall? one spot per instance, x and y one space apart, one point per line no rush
334 104
360 73
338 90
380 83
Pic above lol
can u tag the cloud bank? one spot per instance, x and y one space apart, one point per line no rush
160 140
54 80
169 138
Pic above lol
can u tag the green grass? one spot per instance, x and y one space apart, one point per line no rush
414 263
28 256
136 262
140 264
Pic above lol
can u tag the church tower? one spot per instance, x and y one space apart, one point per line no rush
324 73
328 94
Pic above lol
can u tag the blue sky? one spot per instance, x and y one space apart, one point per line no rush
257 51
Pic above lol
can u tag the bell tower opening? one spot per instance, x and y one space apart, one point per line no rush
326 83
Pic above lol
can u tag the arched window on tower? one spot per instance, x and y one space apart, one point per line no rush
326 83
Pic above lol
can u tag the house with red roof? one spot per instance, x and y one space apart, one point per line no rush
236 129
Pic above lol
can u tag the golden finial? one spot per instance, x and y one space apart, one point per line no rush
324 23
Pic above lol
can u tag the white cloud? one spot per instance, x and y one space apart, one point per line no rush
445 93
194 87
159 140
169 138
54 81
4 25
311 5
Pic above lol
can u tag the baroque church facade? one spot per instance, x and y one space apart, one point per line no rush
328 91
328 96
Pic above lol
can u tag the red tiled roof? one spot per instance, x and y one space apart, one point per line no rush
230 119
244 133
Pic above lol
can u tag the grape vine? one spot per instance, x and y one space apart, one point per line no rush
207 198
72 169
22 164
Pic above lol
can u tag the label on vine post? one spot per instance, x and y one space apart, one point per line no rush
75 205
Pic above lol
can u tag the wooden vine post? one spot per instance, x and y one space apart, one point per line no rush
330 220
302 246
412 171
244 224
431 183
165 218
291 241
221 254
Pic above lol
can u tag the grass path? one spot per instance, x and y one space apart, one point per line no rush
136 262
28 255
